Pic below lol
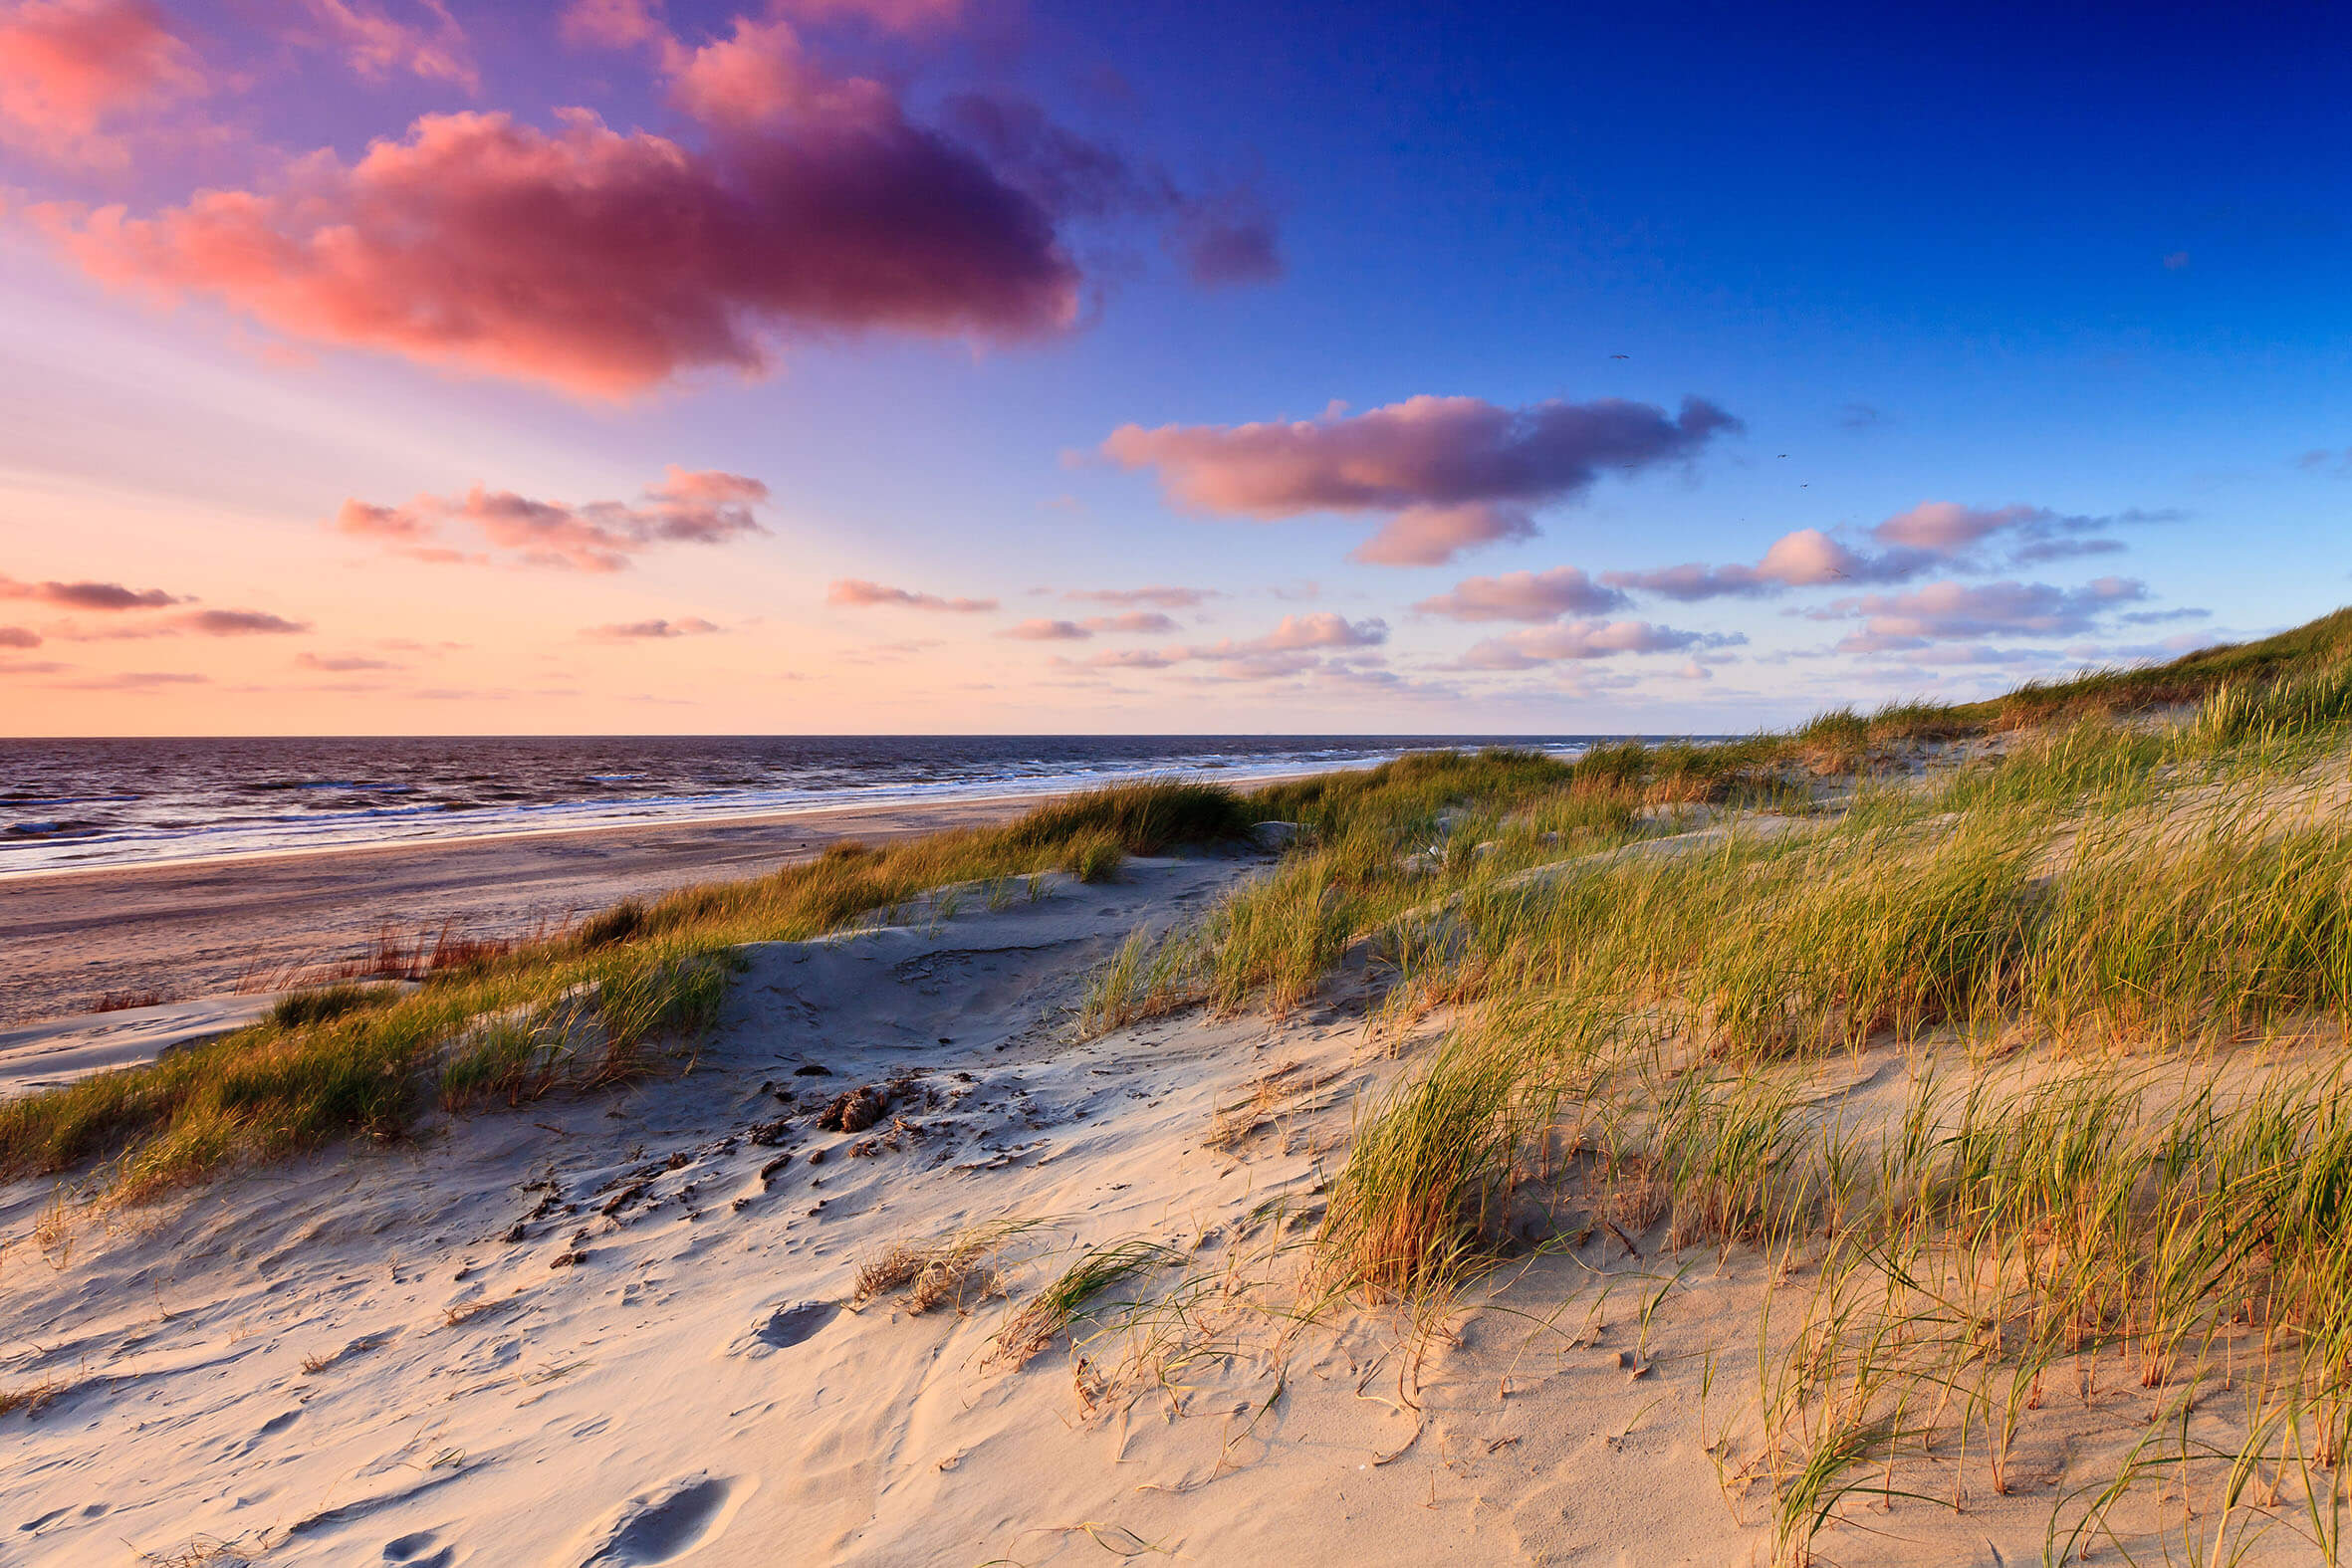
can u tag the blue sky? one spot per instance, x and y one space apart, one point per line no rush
2084 266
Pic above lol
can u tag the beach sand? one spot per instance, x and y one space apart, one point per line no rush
204 927
623 1327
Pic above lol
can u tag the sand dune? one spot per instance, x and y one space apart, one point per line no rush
624 1328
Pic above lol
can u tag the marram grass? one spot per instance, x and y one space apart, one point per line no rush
582 1007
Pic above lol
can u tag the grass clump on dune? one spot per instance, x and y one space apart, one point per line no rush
576 1009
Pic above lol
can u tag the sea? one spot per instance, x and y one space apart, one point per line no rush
67 805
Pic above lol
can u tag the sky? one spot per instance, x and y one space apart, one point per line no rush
632 366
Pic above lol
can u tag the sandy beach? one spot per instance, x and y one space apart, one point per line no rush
916 1255
200 929
626 1330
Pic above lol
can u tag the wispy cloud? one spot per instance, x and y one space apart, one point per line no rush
137 681
1162 597
1043 630
1932 535
240 624
860 592
641 630
376 45
1945 611
1525 595
694 507
343 665
1579 640
1132 623
1297 644
88 596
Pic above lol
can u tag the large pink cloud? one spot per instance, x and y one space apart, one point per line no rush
605 263
1525 595
687 507
71 68
1451 473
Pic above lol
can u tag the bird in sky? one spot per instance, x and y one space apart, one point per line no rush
1620 357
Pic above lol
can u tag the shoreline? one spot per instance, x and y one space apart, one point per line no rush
209 927
1241 777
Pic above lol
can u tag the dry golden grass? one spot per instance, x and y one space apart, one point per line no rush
500 1022
32 1397
957 1270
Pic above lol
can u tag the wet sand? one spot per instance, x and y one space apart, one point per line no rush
206 927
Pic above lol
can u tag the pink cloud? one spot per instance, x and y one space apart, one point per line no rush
641 630
1320 629
602 263
760 77
1954 610
1164 598
904 16
1298 644
1041 631
70 68
858 592
1046 629
2034 534
623 24
1932 534
610 24
1525 595
1434 535
1947 525
1579 640
1805 559
19 637
686 507
1129 659
1452 472
240 624
87 596
343 665
135 681
1131 623
376 45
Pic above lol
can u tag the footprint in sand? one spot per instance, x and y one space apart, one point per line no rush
665 1524
415 1550
789 1325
